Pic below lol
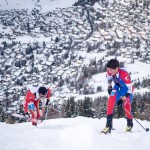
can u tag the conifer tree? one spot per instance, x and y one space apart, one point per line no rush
87 107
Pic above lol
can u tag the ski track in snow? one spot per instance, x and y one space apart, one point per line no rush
73 134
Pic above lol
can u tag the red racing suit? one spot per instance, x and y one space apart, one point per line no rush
33 98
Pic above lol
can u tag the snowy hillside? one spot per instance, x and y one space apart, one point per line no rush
42 5
73 134
67 47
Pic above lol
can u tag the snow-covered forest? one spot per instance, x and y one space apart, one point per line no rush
67 49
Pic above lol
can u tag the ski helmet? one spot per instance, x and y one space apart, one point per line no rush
42 90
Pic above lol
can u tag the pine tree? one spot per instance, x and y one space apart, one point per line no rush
80 108
44 44
87 107
70 108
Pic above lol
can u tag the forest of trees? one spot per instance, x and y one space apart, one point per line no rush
88 107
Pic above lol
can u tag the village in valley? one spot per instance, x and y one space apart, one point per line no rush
68 48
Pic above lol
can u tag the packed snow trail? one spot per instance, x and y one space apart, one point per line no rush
73 134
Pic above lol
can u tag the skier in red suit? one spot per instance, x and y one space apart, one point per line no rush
120 94
34 102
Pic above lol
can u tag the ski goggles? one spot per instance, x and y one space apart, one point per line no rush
42 96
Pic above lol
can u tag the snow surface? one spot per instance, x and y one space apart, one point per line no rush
73 134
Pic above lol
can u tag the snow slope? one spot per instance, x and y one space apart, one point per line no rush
73 134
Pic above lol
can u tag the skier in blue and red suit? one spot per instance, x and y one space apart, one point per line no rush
120 94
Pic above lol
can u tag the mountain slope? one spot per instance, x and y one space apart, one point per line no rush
42 5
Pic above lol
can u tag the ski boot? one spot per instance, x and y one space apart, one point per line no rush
129 125
106 130
128 129
34 124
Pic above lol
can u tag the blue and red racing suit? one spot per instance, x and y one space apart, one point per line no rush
122 87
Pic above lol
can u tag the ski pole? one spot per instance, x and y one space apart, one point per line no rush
55 109
146 129
47 108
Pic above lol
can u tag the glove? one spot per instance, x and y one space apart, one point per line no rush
109 89
40 105
47 102
26 115
120 103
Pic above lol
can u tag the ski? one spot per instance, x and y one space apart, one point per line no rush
128 132
17 115
120 132
27 119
